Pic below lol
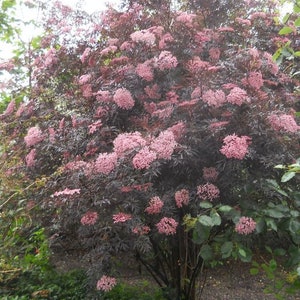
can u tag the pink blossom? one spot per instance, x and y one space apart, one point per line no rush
153 91
258 14
255 80
155 206
83 79
196 93
145 70
126 142
103 96
243 21
85 54
143 36
75 165
237 96
50 58
210 174
164 144
7 65
166 61
9 109
163 113
123 99
94 126
245 225
109 49
186 18
271 63
165 39
182 197
87 90
214 98
196 65
106 283
89 218
178 129
214 54
67 192
216 125
121 217
126 46
33 137
167 226
208 191
141 230
30 158
52 133
226 29
144 158
105 163
235 147
283 122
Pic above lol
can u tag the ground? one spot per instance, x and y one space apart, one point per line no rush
231 281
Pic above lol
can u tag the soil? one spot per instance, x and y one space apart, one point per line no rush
231 281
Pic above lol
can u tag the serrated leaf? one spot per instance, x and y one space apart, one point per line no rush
287 176
297 22
285 30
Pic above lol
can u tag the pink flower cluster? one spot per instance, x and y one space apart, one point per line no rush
152 92
255 80
237 96
164 144
94 126
121 217
105 163
144 158
196 65
208 191
106 283
89 218
167 226
123 98
67 191
214 54
155 206
186 19
235 147
33 137
210 174
141 230
163 114
85 54
166 61
283 122
145 70
245 225
30 158
126 142
182 197
214 98
9 109
143 36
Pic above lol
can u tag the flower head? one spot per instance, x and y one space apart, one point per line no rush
245 225
283 122
166 61
208 191
182 197
106 283
89 218
210 174
237 96
30 158
164 144
105 163
235 147
123 99
33 137
144 158
167 226
121 217
214 98
155 206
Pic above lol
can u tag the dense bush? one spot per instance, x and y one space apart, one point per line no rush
150 134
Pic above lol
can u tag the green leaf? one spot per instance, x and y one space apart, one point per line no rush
287 176
297 53
206 252
297 22
225 208
279 167
271 224
285 30
294 226
206 221
216 219
254 271
274 213
200 234
205 204
226 249
242 252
